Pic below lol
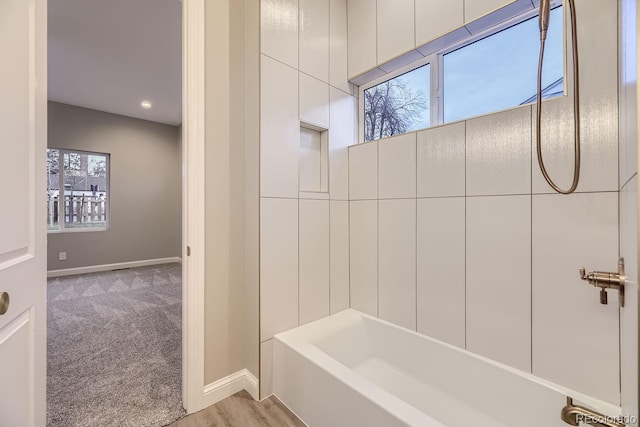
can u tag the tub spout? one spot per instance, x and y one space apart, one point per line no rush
575 414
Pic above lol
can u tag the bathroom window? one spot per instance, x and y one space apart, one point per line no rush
77 190
493 71
398 105
500 71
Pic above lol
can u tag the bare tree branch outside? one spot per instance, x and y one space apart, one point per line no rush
392 108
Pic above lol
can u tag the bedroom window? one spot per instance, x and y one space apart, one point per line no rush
77 190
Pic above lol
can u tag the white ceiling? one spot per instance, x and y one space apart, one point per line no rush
110 55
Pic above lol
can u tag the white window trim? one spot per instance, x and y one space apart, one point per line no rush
61 214
436 60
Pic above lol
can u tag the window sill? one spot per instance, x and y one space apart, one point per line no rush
78 230
439 125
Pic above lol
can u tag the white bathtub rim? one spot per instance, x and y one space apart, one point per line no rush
299 340
392 404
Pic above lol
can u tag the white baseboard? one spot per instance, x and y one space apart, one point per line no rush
109 267
252 385
228 386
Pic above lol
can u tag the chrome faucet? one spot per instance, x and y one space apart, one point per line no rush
575 414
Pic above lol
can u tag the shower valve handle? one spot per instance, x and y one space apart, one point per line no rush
606 280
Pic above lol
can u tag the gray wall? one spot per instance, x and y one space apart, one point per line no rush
145 187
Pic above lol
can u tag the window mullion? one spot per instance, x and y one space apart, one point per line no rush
441 88
435 90
61 203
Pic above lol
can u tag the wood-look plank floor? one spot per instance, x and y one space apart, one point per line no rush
240 410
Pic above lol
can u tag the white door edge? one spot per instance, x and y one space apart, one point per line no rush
193 203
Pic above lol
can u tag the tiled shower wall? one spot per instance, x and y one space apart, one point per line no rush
454 232
304 237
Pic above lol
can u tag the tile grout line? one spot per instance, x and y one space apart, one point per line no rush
376 34
306 74
416 212
298 149
329 38
377 228
628 181
298 253
620 314
487 195
465 235
349 221
531 242
618 96
329 260
621 186
415 31
259 178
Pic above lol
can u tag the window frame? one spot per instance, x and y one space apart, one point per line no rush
62 191
436 60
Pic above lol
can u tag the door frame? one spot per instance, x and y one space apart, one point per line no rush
193 203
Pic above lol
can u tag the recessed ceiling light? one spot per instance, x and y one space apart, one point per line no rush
145 104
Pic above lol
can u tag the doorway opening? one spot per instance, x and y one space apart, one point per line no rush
114 213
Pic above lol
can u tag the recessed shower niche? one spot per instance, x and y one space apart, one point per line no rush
314 159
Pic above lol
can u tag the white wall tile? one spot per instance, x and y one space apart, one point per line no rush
280 130
314 260
266 369
397 167
444 41
314 101
339 251
278 266
599 148
401 61
629 314
441 161
598 108
279 30
628 87
499 279
435 18
628 129
314 38
338 52
397 262
362 55
474 9
342 134
499 153
396 34
363 250
575 338
363 171
441 269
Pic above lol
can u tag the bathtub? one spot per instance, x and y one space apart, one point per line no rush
351 370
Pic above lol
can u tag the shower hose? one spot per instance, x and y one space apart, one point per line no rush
576 104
